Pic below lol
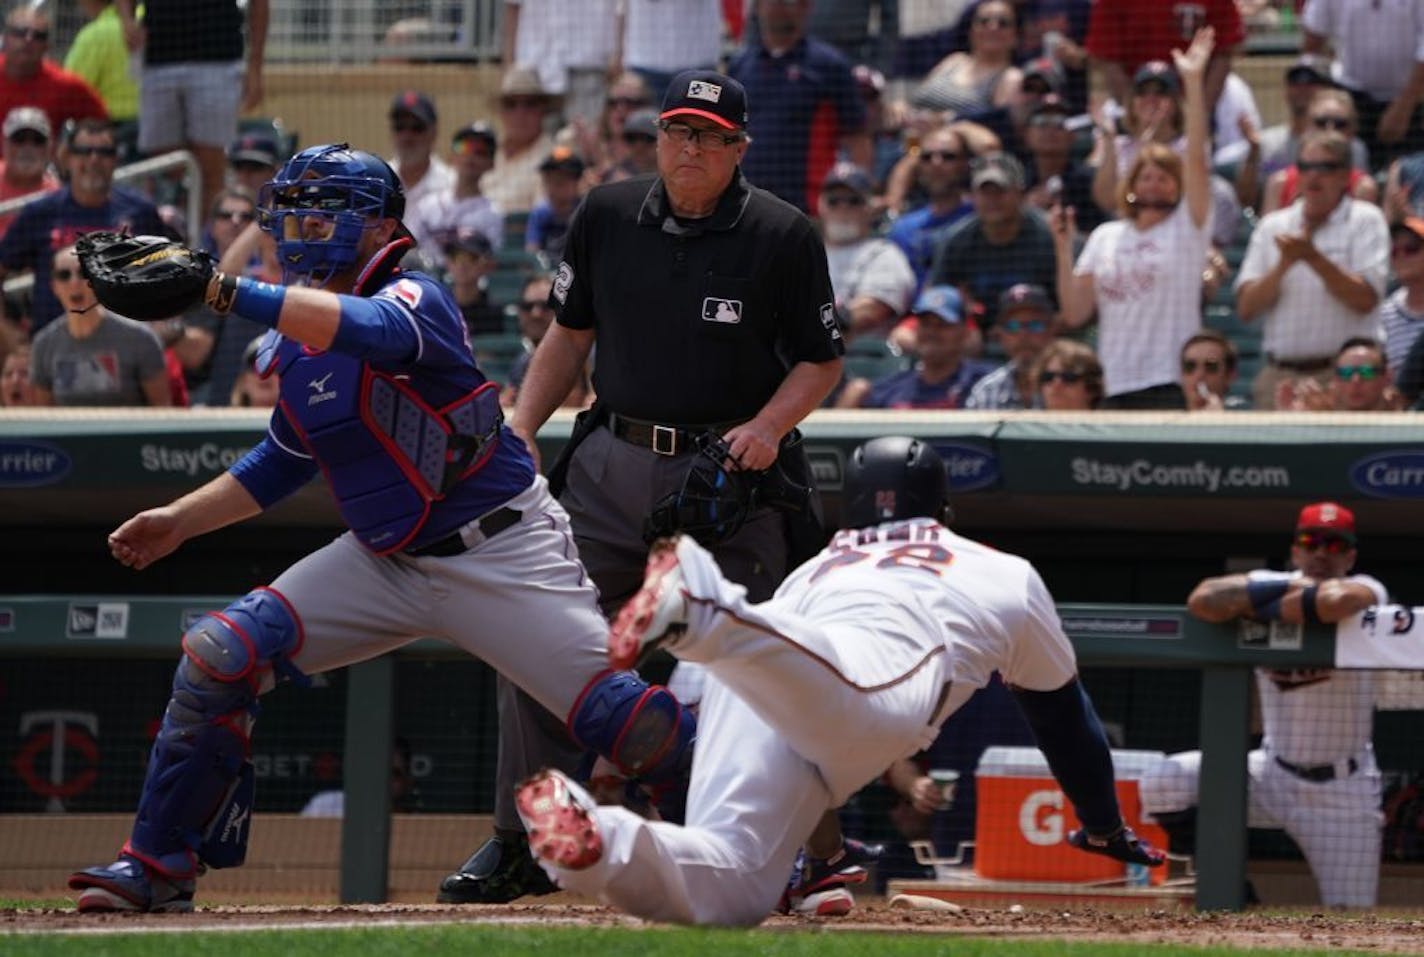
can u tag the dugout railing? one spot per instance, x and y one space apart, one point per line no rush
1143 636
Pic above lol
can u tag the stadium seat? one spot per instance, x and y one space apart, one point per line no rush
496 354
872 357
514 224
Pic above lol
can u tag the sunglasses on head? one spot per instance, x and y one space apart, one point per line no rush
1211 366
1319 166
1330 122
1067 377
27 33
1335 543
1366 373
105 151
1024 325
64 274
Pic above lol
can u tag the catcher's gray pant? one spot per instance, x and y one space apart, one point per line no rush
611 488
1336 823
519 601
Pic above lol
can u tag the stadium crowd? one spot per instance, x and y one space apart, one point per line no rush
958 157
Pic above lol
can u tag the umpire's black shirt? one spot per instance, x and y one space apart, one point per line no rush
696 321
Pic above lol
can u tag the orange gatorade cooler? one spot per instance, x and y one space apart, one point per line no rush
1022 820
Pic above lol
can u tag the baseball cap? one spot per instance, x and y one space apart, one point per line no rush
1157 71
253 148
1309 68
942 302
563 160
850 176
467 240
478 130
1051 103
999 169
641 123
27 118
417 104
708 94
1047 70
1024 295
1327 516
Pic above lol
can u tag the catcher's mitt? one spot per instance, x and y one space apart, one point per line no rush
143 277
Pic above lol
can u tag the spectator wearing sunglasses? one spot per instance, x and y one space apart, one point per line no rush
1330 111
514 185
982 78
940 168
640 148
1024 330
89 201
602 144
1209 362
1125 34
942 376
871 277
414 129
462 206
29 78
26 153
1068 377
535 316
1360 381
1314 272
1314 774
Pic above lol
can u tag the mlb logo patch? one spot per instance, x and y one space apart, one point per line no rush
702 90
722 310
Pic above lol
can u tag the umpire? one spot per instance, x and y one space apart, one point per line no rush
710 305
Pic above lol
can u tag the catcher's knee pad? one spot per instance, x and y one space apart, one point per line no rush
197 795
641 728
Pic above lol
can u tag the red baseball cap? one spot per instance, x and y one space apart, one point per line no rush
1326 515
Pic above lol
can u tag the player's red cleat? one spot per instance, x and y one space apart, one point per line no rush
556 813
656 614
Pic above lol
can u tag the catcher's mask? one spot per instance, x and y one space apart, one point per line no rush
712 504
893 478
319 204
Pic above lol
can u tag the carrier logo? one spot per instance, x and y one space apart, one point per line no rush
722 310
107 620
318 387
1395 474
969 467
27 464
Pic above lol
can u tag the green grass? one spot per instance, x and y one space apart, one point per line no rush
588 942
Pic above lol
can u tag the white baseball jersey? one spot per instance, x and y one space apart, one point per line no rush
810 695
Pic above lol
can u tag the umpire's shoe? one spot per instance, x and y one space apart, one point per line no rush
502 870
656 615
559 817
126 885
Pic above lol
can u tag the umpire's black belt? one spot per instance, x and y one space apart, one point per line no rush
662 439
1321 773
469 535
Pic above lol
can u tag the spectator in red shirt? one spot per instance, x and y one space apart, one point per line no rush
32 80
1124 34
26 156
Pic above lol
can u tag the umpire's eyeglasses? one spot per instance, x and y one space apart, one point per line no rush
1333 542
709 140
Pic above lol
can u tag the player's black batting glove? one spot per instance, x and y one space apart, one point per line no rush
1122 845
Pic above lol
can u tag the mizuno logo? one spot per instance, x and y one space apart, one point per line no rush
319 385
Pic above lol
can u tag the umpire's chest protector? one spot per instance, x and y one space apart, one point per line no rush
385 452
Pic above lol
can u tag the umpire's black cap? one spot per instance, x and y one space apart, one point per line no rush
708 94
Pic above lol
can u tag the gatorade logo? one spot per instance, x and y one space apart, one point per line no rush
1041 818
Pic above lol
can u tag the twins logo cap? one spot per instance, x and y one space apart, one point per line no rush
708 94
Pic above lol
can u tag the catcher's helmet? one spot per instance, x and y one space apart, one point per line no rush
320 202
713 503
892 478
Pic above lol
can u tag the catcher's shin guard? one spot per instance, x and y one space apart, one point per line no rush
641 728
197 795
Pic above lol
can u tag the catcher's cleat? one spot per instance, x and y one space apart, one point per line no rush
126 885
556 813
818 886
1122 845
499 872
654 616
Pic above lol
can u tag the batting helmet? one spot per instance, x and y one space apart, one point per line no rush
892 478
346 190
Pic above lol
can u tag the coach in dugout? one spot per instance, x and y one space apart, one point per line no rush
711 308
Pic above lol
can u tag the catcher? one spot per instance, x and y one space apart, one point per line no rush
451 532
